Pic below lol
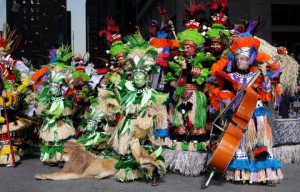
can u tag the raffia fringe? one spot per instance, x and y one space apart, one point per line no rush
237 175
288 77
130 176
287 154
186 162
13 126
7 159
64 130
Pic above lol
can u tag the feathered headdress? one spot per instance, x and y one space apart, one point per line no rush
112 31
114 38
194 12
214 31
160 30
191 35
245 44
80 61
8 40
248 26
60 57
142 55
218 11
159 38
94 117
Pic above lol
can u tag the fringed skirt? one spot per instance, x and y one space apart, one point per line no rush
189 131
245 166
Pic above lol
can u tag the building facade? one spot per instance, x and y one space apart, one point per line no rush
281 19
42 25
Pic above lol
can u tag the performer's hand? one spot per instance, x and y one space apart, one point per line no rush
183 65
263 69
195 72
173 83
10 62
227 101
4 94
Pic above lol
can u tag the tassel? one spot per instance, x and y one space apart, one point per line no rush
260 152
200 111
279 174
192 146
231 62
180 90
189 122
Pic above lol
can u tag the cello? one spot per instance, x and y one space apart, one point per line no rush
232 134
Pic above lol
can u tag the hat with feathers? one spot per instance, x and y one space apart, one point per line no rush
114 38
191 34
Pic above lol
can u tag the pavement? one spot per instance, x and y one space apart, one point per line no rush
21 179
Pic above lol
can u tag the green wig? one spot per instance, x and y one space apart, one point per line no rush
118 47
191 35
214 31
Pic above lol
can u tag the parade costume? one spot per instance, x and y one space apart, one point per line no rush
118 51
287 148
8 100
164 46
190 72
93 135
218 43
133 138
54 108
218 36
78 89
101 119
259 166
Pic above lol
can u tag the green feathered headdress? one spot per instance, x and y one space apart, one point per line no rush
191 35
58 78
81 75
118 47
64 54
136 40
141 56
61 58
214 31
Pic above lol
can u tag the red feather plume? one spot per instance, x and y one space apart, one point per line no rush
111 29
217 4
192 11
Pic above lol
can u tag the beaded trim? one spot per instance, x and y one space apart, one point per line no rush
251 74
57 98
142 90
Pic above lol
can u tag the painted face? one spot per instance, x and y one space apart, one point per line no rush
11 82
80 67
139 78
241 61
216 48
120 59
189 50
55 89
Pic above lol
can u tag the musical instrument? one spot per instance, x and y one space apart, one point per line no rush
232 135
234 131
